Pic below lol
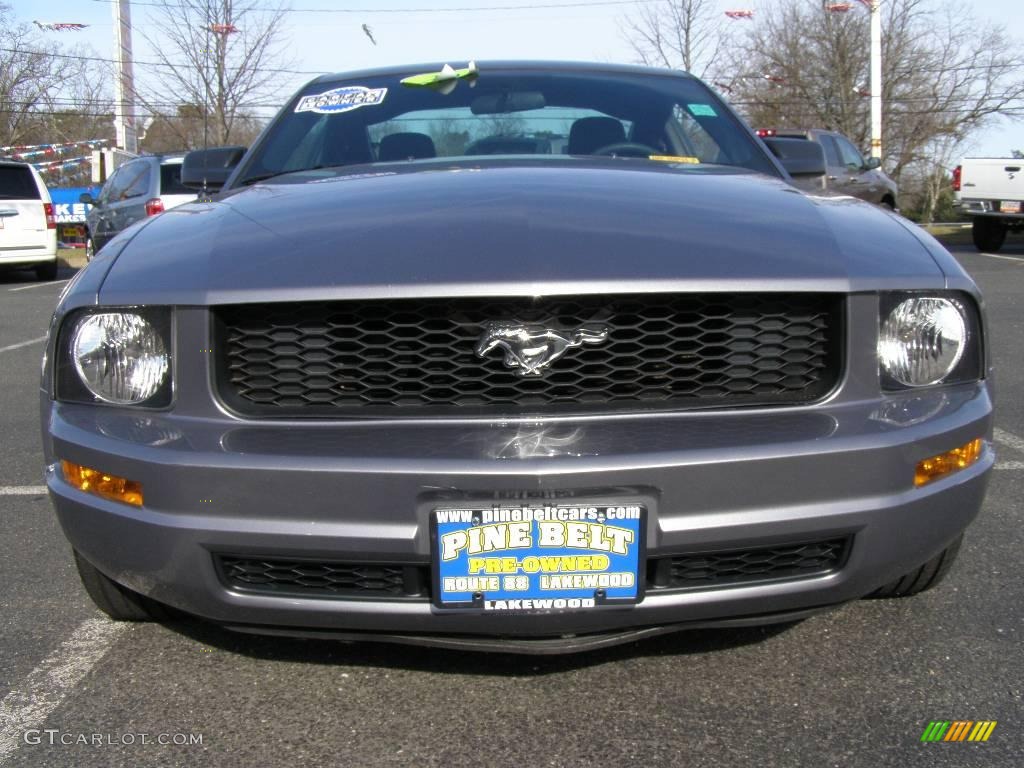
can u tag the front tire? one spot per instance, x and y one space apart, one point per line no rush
119 603
988 234
923 578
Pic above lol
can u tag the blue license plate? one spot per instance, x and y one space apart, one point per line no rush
532 559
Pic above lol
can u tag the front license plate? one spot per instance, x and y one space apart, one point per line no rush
1009 206
538 559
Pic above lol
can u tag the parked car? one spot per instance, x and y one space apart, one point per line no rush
28 231
142 187
848 173
529 401
991 192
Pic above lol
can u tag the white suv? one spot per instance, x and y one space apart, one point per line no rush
28 231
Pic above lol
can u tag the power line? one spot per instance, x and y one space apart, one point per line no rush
434 9
106 60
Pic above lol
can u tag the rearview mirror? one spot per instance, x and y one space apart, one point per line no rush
210 168
507 101
88 199
873 163
799 157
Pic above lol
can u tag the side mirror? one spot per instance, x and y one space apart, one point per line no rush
88 199
210 168
872 163
800 157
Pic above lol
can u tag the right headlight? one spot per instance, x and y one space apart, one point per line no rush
115 356
927 339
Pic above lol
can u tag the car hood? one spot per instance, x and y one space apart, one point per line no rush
448 229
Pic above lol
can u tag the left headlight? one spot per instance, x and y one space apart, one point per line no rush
925 340
120 357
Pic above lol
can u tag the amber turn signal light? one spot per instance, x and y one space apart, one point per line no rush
945 463
101 484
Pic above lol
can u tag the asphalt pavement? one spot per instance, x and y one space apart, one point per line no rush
855 687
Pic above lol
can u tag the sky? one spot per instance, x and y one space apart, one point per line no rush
334 41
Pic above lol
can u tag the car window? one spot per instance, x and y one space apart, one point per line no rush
852 159
543 114
114 185
138 182
831 151
170 180
16 183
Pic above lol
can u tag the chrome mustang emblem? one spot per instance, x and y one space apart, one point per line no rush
530 347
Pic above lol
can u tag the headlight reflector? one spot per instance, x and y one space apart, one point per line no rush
922 341
119 357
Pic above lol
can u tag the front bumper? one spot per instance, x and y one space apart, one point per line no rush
711 481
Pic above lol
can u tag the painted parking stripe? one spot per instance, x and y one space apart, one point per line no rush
30 702
1018 259
1008 439
22 490
21 344
36 285
1018 465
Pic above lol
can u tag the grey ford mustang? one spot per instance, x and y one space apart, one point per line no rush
529 356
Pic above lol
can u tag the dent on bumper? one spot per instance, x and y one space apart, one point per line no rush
364 492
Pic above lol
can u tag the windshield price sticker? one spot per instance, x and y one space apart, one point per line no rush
538 558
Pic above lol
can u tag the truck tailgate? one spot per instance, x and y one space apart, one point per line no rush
993 179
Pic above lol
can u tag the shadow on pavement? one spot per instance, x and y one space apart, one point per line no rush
423 659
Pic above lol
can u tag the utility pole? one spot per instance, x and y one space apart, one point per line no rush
876 78
124 81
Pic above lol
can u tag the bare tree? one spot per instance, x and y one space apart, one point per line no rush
36 76
945 74
677 34
219 56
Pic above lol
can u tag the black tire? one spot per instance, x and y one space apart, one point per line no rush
119 603
923 578
888 202
47 271
90 251
988 234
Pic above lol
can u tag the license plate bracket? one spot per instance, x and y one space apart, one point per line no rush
537 559
1009 206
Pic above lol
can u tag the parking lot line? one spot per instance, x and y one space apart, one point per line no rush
1009 465
1008 439
36 285
29 703
1018 259
22 490
21 344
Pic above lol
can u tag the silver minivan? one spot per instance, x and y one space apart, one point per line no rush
28 230
140 188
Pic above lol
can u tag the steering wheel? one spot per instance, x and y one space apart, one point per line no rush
626 149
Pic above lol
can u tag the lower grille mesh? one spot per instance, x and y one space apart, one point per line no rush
321 578
716 569
710 570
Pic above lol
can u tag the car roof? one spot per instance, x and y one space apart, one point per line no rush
540 66
9 163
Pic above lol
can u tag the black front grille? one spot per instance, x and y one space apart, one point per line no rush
745 566
418 355
318 578
411 581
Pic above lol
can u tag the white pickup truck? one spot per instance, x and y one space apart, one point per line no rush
991 192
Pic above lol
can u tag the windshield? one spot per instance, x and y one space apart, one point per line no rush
537 113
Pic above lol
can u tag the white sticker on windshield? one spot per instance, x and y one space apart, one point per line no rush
343 99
